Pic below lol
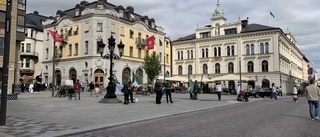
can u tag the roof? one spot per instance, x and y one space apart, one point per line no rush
256 27
189 37
34 20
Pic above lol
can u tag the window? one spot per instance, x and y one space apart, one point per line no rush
76 31
191 54
32 34
217 68
139 53
205 69
98 52
205 35
207 53
1 46
22 4
167 58
228 51
252 49
267 47
47 53
178 55
28 48
122 31
188 54
189 69
22 47
160 57
230 31
76 13
264 66
131 34
86 27
70 49
86 46
160 42
232 50
219 52
27 63
113 28
20 23
181 55
202 53
131 51
121 13
46 36
180 70
152 25
250 67
247 49
2 16
61 51
147 52
261 48
70 31
21 63
76 48
215 52
26 32
230 67
99 27
147 22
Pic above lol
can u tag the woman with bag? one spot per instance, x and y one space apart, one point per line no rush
295 94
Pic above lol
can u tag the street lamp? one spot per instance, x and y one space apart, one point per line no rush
111 45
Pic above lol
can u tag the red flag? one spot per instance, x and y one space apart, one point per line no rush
150 42
58 39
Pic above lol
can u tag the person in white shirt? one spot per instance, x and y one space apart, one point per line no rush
238 91
31 87
295 94
219 90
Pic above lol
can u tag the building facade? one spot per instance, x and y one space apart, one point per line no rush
78 57
264 54
31 48
17 29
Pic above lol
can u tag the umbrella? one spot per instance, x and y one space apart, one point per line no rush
230 77
177 78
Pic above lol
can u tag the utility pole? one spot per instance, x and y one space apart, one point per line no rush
4 93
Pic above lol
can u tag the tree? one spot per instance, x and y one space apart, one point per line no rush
152 66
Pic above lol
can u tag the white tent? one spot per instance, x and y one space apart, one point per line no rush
230 77
178 78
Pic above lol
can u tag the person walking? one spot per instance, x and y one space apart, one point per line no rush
280 91
31 87
295 94
219 90
238 89
273 92
126 89
157 88
22 87
195 90
91 88
168 91
312 94
77 87
97 89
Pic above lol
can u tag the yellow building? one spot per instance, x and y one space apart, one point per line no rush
18 14
80 27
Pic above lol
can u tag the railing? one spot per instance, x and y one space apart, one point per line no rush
64 37
31 53
141 42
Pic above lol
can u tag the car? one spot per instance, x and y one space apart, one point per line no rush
254 92
260 92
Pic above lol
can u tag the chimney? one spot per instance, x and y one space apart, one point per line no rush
244 23
36 12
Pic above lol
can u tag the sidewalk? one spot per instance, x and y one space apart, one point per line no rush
39 114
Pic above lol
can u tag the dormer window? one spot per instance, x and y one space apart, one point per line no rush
99 6
131 17
58 16
153 25
76 13
121 13
146 21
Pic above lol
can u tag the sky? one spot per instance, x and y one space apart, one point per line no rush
180 18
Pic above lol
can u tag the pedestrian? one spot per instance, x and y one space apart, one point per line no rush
126 89
273 92
219 90
31 87
157 88
77 88
97 89
168 91
312 94
22 87
280 91
196 90
132 89
71 93
91 88
295 94
238 89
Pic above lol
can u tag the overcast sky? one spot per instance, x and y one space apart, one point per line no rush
179 18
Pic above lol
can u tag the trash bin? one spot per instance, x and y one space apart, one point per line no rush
16 89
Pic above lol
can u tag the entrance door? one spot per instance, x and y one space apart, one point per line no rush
99 77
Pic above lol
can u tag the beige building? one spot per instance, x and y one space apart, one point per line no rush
80 27
17 35
262 53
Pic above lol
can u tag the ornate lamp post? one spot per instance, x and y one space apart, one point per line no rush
111 45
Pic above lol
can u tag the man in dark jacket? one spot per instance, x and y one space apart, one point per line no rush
91 88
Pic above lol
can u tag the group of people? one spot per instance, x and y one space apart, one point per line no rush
163 88
127 89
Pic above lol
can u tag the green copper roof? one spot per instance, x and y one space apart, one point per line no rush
218 12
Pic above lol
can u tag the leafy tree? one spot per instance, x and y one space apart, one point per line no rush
152 66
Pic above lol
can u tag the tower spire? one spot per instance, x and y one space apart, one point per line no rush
218 12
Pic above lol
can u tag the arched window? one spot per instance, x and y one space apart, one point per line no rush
180 70
219 52
261 48
202 53
267 47
188 54
265 66
191 54
217 68
207 53
178 55
247 49
139 76
250 67
181 55
252 49
228 50
230 67
215 52
189 69
205 69
232 50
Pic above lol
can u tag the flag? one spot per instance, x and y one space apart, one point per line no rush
272 14
116 80
201 84
134 81
190 85
58 39
150 42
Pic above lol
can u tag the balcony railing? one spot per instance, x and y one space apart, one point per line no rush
141 43
64 37
30 53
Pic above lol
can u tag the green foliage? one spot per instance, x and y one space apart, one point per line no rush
152 66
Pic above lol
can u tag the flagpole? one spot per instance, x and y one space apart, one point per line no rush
53 60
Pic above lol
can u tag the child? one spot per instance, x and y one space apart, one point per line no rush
70 93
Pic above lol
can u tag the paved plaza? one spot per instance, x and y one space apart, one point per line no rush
39 114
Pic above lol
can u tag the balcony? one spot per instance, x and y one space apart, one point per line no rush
64 37
141 43
30 53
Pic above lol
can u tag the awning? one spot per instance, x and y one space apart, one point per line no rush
230 77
